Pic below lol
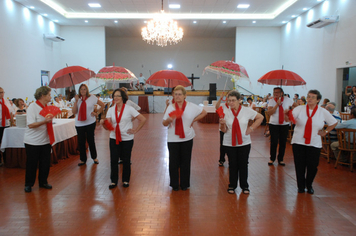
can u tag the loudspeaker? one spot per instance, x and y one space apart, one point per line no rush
212 90
167 90
124 85
149 91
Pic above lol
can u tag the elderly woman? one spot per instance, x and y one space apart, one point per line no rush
237 141
122 137
85 122
310 120
179 117
278 127
38 139
21 108
6 115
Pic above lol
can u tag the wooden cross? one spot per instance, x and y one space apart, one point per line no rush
193 78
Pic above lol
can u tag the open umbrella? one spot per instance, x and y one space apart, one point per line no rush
169 79
69 76
281 78
115 73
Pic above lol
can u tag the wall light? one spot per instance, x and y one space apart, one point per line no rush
174 6
224 22
96 5
9 4
243 6
40 20
26 13
194 22
325 7
51 26
169 66
254 22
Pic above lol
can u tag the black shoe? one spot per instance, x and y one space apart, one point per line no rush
301 190
126 184
120 162
46 186
81 163
184 189
96 161
270 163
28 189
281 163
231 190
310 190
112 185
246 191
176 189
221 163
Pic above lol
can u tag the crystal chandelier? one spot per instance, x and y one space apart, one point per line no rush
161 30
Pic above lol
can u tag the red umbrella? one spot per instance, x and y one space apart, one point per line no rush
228 68
282 77
69 76
168 78
115 73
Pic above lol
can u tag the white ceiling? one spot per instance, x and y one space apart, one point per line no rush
203 28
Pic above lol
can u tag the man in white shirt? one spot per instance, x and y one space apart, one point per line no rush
141 82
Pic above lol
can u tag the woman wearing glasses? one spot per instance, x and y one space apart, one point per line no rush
237 141
120 116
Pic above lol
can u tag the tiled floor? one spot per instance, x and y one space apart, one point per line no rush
80 202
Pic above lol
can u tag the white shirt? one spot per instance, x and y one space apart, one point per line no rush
300 116
243 117
7 121
134 105
125 122
57 104
274 118
141 79
62 104
14 108
35 136
91 101
191 111
251 105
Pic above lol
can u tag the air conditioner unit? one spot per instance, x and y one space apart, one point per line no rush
53 37
324 21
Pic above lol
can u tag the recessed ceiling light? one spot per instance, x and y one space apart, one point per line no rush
86 21
45 14
243 6
194 22
32 7
254 21
116 21
304 9
224 22
94 5
293 15
174 6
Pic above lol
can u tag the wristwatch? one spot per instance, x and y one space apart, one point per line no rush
326 131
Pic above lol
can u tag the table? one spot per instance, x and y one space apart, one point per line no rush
211 117
64 146
143 103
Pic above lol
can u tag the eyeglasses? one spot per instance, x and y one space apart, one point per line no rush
117 96
233 100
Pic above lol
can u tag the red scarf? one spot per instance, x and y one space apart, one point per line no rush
226 105
309 124
5 113
82 116
179 122
281 111
118 119
49 126
236 130
173 101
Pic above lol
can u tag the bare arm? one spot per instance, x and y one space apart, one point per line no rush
75 105
324 132
38 124
200 116
222 124
346 93
168 121
142 121
217 105
258 121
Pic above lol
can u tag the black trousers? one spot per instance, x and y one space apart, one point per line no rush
306 161
37 156
122 150
86 134
222 148
238 165
279 134
180 155
1 134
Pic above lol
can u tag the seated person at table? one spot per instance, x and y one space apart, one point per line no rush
21 108
349 124
250 103
13 106
56 102
331 108
325 102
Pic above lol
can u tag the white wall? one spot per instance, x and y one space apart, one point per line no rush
84 46
315 54
190 56
258 50
24 52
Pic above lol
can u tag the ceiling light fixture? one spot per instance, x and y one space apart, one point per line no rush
254 22
96 5
243 6
162 30
174 6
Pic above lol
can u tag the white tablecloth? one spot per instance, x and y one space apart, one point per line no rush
63 130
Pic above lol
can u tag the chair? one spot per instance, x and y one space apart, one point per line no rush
267 121
64 114
326 150
345 116
290 133
344 135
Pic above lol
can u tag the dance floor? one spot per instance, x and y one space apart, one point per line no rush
81 203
